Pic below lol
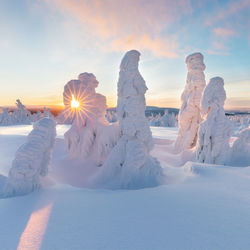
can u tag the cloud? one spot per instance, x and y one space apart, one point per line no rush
224 32
120 25
233 8
233 20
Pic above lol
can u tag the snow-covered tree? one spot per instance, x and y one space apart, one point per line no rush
5 118
129 165
215 129
189 116
241 148
111 116
87 109
21 115
32 159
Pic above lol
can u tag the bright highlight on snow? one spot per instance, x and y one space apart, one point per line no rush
74 103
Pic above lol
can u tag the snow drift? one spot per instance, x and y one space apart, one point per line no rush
241 149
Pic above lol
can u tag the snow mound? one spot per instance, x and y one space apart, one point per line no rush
32 159
241 149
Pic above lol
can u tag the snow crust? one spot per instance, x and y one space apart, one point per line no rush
32 159
129 164
189 115
216 129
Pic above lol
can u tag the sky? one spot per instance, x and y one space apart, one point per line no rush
46 43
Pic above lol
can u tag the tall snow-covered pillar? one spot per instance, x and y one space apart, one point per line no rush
215 129
32 159
129 165
189 115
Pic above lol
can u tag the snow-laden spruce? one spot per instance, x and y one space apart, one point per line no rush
129 165
189 116
20 115
215 129
241 149
88 132
166 120
32 159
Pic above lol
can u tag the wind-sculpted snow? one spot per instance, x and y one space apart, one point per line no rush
89 120
129 164
32 159
189 115
216 129
241 149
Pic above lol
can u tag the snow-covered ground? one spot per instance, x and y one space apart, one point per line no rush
202 206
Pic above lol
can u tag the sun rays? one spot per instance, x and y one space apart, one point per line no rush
79 104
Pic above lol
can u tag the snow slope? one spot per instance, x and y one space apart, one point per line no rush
203 206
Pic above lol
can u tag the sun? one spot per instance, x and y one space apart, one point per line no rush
74 103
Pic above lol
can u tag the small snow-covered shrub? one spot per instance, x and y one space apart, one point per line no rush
32 159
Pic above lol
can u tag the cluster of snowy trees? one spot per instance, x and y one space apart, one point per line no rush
165 120
122 148
203 125
21 116
240 122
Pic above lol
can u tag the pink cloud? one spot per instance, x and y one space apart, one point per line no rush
224 32
120 25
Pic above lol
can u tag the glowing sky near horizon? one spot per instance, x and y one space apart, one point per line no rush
44 44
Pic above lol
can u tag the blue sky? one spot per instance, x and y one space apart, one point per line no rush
44 44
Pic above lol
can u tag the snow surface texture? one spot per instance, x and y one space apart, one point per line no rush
189 115
129 164
90 130
215 129
241 149
31 159
202 207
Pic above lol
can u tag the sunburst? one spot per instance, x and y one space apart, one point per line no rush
79 105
